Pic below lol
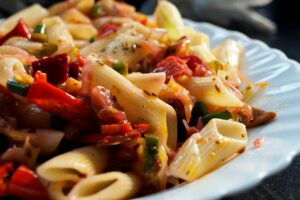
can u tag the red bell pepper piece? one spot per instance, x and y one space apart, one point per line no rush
21 29
56 68
26 185
74 69
55 100
6 170
173 67
107 29
110 115
198 67
82 61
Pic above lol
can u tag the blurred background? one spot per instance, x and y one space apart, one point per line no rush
276 22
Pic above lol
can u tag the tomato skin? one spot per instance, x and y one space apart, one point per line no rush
55 100
110 115
6 170
108 29
26 185
56 68
21 30
197 66
173 67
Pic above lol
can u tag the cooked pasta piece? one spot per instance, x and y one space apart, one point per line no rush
57 31
167 16
75 164
218 141
150 82
25 44
84 5
203 52
137 104
7 68
31 15
211 91
229 54
57 189
196 37
74 16
108 186
82 31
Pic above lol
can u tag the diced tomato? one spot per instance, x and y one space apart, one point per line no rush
101 97
110 115
118 139
56 68
82 61
40 76
108 29
26 185
173 67
55 100
198 67
6 170
258 142
21 30
116 129
74 69
142 127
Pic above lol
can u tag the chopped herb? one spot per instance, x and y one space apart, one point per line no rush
17 88
151 152
120 67
93 39
97 11
221 115
199 110
40 28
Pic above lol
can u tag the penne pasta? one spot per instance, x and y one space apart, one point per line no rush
229 54
7 68
150 82
211 91
167 16
75 164
31 15
108 186
203 52
57 31
74 16
137 104
82 31
208 149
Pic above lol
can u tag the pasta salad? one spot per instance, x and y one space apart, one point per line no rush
98 101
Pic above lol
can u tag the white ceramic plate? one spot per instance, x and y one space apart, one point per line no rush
281 136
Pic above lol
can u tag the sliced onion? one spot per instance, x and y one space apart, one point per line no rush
47 140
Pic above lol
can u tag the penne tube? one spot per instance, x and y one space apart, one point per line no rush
31 15
211 91
74 16
108 186
218 141
137 104
195 37
7 68
75 164
229 54
167 16
57 31
203 52
82 31
150 82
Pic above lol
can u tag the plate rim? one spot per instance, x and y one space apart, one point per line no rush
283 164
